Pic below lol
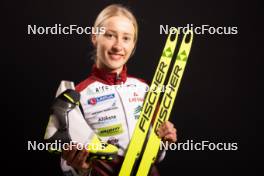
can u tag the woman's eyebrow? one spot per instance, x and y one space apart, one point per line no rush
110 30
114 31
126 33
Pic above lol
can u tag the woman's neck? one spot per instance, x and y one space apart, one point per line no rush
107 69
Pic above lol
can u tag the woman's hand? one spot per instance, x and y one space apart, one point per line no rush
167 132
76 158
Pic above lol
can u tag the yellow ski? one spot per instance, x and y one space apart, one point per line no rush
143 123
152 147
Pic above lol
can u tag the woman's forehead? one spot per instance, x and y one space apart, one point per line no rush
119 24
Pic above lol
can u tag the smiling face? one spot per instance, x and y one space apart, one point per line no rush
114 47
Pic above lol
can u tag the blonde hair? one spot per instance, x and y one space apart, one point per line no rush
117 10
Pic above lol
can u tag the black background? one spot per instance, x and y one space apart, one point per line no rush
217 100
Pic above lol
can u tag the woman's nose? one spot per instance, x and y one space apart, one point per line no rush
117 46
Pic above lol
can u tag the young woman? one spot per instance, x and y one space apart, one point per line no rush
111 112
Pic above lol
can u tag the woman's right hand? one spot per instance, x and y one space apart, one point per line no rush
76 158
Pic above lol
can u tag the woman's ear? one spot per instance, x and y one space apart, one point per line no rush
94 40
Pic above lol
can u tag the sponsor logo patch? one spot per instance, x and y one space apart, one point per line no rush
105 110
93 101
107 118
137 111
101 89
135 98
110 130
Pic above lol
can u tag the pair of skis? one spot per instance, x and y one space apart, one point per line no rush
142 127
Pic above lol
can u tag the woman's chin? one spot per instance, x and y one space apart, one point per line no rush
116 63
115 66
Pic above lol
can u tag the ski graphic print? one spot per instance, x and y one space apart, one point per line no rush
152 147
143 123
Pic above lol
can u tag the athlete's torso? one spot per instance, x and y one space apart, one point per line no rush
112 110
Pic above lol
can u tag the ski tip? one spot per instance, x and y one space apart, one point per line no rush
188 37
185 46
173 35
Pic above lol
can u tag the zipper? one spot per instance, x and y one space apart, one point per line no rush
118 78
123 106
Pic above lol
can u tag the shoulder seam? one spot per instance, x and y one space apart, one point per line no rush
139 79
82 85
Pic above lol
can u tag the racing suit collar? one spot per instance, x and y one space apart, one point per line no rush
110 78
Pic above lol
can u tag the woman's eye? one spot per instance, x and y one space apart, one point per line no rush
108 35
127 39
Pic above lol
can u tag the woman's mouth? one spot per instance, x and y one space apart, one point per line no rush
115 56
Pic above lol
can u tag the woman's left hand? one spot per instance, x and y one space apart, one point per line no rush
167 132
